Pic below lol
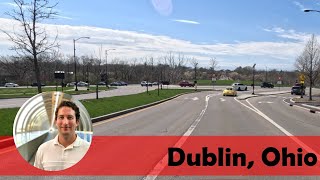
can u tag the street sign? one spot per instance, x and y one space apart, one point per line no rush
301 78
302 82
279 82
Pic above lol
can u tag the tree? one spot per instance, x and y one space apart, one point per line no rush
308 63
32 40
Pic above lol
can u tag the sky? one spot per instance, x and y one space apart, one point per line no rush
235 33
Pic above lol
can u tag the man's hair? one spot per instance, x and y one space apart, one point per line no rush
71 105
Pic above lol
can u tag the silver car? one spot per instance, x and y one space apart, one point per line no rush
11 85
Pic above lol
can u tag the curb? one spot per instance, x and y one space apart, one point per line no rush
311 109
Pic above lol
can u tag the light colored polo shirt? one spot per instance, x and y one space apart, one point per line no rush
52 156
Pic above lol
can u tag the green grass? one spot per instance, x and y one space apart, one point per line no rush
99 107
29 92
6 120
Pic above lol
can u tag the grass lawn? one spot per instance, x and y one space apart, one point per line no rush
99 107
29 92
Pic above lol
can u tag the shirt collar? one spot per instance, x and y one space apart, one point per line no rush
76 143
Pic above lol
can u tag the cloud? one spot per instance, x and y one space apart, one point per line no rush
289 34
299 5
131 44
62 17
185 21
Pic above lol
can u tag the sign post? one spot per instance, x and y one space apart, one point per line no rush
301 79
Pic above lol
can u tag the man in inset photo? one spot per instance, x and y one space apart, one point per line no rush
66 149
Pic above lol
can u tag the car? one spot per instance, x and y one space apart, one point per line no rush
71 84
229 91
297 90
239 87
145 83
101 83
186 84
36 84
155 83
81 83
11 85
115 83
165 82
122 83
267 85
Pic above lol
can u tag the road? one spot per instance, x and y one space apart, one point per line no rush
209 113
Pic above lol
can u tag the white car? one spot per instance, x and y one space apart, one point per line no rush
11 85
145 83
239 87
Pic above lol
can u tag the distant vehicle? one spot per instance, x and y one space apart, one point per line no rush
145 83
11 85
122 83
36 84
229 91
186 84
71 84
239 87
297 90
101 83
165 82
115 84
267 85
81 83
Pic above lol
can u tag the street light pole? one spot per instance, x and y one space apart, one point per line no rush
253 68
75 61
106 52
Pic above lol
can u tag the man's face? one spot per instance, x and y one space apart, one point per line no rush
66 121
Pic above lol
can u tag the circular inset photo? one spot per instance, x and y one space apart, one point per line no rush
52 131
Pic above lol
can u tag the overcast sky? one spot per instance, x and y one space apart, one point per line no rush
235 32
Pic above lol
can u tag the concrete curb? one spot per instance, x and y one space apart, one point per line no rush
311 109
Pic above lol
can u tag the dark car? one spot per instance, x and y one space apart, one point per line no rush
297 90
267 85
115 84
186 84
122 83
36 84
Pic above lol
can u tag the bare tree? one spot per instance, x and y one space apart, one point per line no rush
195 63
32 40
308 63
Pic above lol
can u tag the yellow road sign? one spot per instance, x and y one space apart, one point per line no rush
301 78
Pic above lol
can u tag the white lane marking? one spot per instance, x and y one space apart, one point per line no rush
265 102
222 100
164 161
194 99
303 145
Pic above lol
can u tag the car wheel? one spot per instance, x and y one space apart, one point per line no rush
246 89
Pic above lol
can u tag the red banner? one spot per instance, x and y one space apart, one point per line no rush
193 155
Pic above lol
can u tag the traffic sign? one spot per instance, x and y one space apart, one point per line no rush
301 78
